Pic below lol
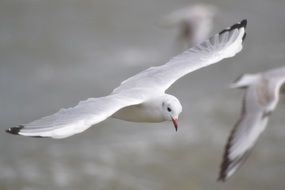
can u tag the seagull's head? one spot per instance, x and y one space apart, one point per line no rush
171 108
244 81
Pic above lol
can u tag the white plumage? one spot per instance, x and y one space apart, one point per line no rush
260 99
142 97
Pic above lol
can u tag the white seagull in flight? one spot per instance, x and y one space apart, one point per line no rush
141 98
260 99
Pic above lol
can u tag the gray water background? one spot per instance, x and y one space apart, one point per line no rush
58 52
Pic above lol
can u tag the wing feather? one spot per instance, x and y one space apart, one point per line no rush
70 121
276 73
244 135
150 82
220 46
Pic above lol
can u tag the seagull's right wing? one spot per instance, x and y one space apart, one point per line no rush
70 121
225 44
277 73
244 135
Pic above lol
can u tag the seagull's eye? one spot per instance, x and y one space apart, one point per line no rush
169 109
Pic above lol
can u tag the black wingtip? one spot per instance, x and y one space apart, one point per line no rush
15 130
223 174
226 161
223 168
239 25
243 23
221 179
244 36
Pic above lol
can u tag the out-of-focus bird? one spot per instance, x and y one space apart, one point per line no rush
141 98
194 23
260 99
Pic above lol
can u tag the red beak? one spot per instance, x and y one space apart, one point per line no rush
175 123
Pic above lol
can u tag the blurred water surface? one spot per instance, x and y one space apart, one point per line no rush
55 53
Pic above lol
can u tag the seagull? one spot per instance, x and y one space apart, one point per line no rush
260 99
140 98
194 22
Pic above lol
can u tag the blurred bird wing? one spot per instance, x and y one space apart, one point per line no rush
252 122
223 45
189 13
276 77
70 121
278 73
177 17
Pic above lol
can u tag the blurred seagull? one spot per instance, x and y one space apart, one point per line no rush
194 22
260 99
141 98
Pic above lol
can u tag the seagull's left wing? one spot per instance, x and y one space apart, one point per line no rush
252 122
70 121
223 45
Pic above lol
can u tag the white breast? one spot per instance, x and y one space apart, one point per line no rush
140 113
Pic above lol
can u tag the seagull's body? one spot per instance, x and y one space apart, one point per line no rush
195 23
260 99
141 98
149 111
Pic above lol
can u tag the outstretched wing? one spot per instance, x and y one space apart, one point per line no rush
70 121
222 45
276 73
252 122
